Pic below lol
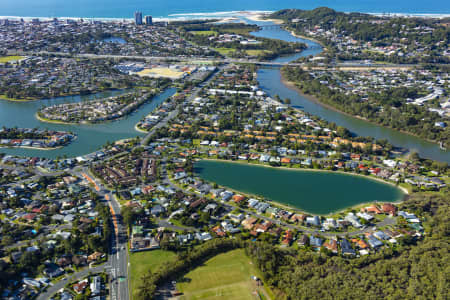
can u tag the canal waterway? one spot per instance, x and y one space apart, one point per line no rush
90 137
115 40
316 192
270 81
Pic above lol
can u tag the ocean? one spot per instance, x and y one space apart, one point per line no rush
193 8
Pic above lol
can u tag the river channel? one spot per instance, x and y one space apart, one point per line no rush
92 137
269 79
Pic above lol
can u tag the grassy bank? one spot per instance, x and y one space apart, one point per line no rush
4 97
42 119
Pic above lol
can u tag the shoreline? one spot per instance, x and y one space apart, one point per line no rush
33 148
53 121
259 17
45 120
18 100
40 148
324 48
63 95
313 98
219 15
139 130
405 192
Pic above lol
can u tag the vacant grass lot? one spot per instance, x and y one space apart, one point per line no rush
203 32
142 261
257 52
225 276
225 51
244 30
5 59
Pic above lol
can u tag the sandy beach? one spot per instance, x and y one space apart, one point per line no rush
259 17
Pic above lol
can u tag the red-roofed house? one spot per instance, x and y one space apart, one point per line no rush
29 217
238 198
372 209
389 209
80 286
287 238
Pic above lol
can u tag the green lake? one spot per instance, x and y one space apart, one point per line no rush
310 191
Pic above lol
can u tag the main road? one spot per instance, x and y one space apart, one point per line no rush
118 255
118 259
187 59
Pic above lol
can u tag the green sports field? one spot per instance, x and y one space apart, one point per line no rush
203 32
5 59
140 262
225 276
225 51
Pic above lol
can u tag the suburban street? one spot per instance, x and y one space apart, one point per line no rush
118 258
75 276
45 229
175 111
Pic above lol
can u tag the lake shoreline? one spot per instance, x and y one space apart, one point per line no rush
404 191
310 170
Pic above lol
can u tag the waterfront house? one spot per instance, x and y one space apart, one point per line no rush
313 221
388 208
